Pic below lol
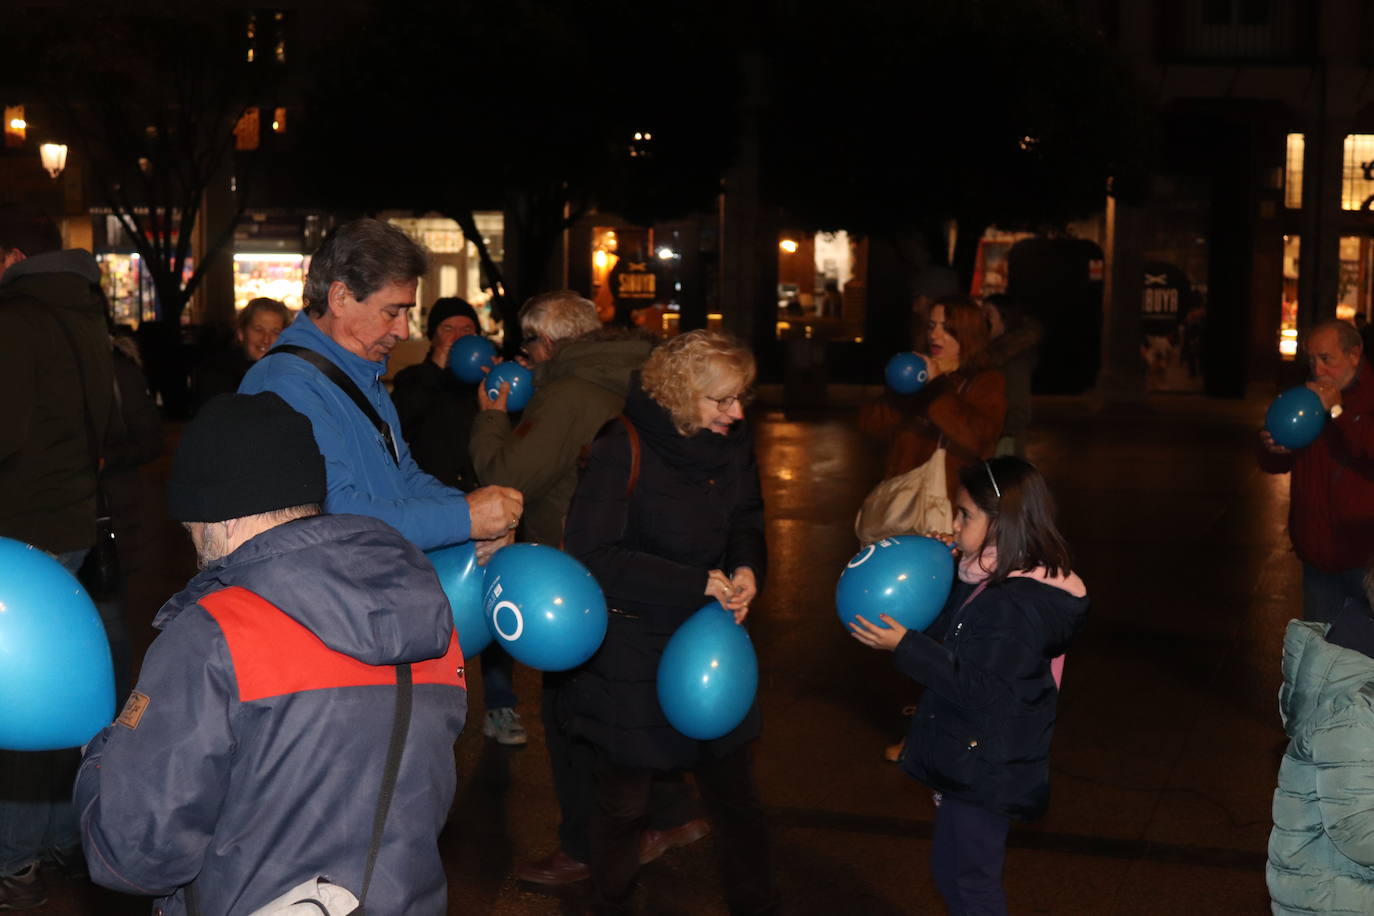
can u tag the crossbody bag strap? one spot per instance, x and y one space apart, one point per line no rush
348 386
633 435
399 728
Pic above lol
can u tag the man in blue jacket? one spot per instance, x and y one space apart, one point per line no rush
250 756
358 294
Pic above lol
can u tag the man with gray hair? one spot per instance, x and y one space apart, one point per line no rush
1331 502
328 365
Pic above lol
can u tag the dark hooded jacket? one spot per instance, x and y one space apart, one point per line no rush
47 477
251 753
696 506
982 731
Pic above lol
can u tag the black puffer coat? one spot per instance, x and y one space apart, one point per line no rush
982 731
695 507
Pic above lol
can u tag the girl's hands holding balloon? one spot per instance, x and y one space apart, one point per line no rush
875 637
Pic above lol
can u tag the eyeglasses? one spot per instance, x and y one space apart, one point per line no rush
745 398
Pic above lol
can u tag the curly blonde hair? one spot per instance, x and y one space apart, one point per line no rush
692 366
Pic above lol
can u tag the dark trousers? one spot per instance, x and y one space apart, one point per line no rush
966 858
732 802
573 762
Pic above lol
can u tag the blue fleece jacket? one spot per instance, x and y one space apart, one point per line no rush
363 479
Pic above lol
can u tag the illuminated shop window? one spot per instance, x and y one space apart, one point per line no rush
1292 179
1357 185
1288 316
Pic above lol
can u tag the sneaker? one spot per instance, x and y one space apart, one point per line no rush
504 725
23 890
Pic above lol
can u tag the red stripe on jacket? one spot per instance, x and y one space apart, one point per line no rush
273 654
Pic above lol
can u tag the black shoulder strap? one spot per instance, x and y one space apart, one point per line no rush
399 728
348 386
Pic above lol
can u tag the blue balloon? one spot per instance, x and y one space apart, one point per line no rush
461 578
544 606
56 674
907 577
1295 418
907 373
708 674
521 382
469 355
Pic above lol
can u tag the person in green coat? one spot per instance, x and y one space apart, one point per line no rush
1321 851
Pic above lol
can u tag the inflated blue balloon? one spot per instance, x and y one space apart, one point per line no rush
708 674
907 373
544 606
469 355
1295 418
461 578
907 577
56 675
521 382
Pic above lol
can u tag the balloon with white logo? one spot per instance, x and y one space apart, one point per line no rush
543 606
906 577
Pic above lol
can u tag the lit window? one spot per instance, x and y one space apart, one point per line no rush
279 121
246 130
16 127
1357 185
1292 172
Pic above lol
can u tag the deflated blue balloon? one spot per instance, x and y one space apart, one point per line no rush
461 578
907 577
469 355
521 382
56 675
708 675
906 373
544 606
1295 418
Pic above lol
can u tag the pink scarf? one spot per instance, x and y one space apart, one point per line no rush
976 568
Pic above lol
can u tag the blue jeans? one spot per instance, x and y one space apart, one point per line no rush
36 811
498 682
1324 593
966 857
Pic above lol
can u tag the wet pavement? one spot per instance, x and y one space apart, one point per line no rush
1168 739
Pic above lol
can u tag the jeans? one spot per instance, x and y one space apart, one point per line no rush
1324 593
966 858
498 682
36 811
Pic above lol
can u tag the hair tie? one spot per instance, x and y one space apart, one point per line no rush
995 488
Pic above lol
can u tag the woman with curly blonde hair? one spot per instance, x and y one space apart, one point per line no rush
668 517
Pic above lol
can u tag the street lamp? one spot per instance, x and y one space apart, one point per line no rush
54 157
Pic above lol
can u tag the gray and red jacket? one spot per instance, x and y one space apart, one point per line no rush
250 756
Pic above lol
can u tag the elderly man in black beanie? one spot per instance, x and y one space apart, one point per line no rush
250 758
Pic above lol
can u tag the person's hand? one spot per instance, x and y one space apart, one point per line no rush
1271 446
486 402
719 587
484 549
1327 391
494 511
875 637
940 365
442 343
743 588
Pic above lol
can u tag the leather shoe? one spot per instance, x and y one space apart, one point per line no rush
558 868
654 843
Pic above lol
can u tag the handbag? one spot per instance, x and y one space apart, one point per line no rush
916 502
99 573
318 895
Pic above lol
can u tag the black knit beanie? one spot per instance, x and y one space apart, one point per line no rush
446 308
244 454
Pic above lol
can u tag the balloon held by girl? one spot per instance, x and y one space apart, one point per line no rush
990 664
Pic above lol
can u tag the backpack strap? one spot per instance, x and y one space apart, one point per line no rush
348 386
633 435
